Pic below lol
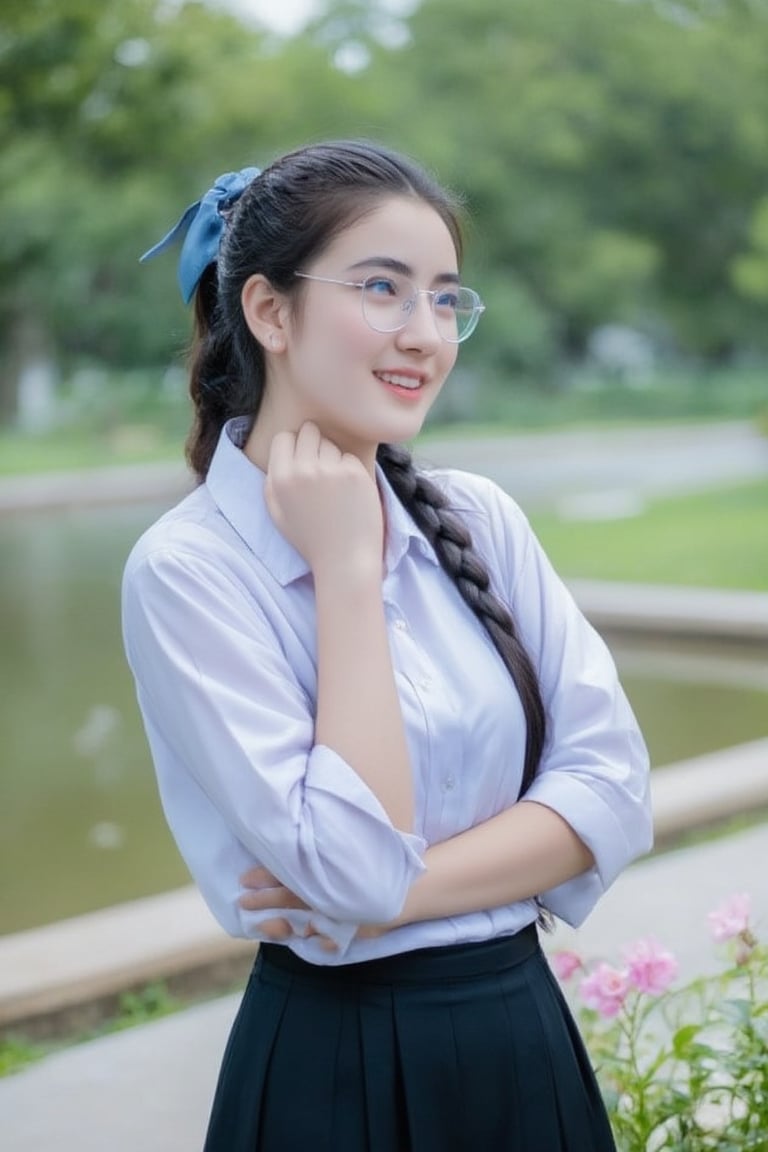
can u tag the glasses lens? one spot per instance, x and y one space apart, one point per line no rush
389 301
457 311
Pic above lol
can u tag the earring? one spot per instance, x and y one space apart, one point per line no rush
275 341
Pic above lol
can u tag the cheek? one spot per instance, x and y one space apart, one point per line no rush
341 335
448 356
354 339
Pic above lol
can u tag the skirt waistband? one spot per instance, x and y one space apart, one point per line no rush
452 962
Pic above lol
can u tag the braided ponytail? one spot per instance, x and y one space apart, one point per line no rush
453 547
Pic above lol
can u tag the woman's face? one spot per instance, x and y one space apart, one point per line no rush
360 386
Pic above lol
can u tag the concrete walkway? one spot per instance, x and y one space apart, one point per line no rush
149 1089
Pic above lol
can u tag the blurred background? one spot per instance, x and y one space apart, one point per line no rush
613 156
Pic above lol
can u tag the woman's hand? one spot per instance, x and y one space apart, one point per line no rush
325 503
263 890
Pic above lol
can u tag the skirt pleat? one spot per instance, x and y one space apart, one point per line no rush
385 1115
236 1111
433 1110
454 1049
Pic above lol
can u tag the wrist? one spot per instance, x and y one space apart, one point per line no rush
353 574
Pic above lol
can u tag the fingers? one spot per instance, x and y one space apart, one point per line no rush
287 447
259 877
325 503
262 899
280 930
328 454
264 891
277 929
308 441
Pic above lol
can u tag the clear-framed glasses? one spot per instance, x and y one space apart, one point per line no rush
389 300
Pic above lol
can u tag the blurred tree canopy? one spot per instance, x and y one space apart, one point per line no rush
613 155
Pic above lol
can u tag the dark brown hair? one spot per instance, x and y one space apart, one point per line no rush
284 219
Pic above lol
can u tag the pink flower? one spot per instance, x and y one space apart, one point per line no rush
605 989
650 968
731 918
565 963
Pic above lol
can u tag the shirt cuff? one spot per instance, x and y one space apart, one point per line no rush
573 901
369 865
308 947
328 772
598 826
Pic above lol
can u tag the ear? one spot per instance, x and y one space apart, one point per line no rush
266 312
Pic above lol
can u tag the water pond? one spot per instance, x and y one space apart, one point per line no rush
80 823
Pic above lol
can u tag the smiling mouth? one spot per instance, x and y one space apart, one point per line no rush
396 380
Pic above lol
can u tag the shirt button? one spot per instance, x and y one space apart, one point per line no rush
425 683
450 783
401 625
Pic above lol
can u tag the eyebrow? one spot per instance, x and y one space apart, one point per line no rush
398 266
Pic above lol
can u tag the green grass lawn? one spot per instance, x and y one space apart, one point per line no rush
77 448
716 539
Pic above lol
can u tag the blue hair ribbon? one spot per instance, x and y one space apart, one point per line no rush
202 225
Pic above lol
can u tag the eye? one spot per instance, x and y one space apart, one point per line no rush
381 286
447 300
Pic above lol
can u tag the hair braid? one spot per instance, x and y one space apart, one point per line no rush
453 546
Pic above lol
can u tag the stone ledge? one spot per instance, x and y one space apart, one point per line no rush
705 789
48 970
663 610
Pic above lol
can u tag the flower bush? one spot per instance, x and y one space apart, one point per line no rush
683 1067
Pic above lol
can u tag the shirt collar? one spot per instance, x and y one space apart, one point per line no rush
402 532
236 485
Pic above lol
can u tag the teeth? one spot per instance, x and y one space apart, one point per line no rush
399 381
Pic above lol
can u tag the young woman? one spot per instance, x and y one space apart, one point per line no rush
386 741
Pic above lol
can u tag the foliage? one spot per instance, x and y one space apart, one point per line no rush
614 157
16 1053
683 1069
139 1006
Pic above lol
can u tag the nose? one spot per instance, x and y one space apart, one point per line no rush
420 332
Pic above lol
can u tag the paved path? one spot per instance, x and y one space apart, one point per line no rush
606 471
149 1089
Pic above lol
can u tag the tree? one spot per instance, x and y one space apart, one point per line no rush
614 153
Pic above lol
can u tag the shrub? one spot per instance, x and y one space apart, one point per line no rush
683 1068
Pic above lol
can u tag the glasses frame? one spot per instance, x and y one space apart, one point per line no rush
479 307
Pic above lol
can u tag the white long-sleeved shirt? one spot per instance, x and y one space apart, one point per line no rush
219 628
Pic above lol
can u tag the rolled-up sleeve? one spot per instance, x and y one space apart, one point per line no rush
594 771
232 735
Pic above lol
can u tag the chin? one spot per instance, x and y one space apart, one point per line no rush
392 428
404 427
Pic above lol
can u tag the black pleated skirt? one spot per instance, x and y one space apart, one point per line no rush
469 1048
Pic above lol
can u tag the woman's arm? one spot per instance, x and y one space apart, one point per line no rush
328 506
587 813
226 677
515 855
